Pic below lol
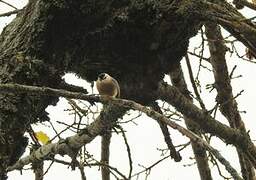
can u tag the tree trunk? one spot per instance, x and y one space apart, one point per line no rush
137 43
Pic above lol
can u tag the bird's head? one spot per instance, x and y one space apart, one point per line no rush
103 76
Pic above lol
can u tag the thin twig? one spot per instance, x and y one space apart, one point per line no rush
10 13
151 166
56 132
8 4
128 151
193 83
110 167
47 170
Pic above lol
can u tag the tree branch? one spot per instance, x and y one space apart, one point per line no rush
8 4
46 91
206 122
178 81
166 93
105 152
10 13
128 151
88 134
173 153
245 3
227 16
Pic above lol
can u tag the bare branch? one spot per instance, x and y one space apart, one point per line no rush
151 166
173 153
8 4
47 92
110 167
245 3
128 151
10 13
206 122
88 134
192 80
165 92
178 80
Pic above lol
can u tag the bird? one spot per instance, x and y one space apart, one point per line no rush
107 85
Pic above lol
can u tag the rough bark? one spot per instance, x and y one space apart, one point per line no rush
48 38
105 148
105 154
38 168
124 38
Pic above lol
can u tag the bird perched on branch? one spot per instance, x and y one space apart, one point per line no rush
107 85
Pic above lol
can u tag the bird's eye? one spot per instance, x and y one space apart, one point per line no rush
102 76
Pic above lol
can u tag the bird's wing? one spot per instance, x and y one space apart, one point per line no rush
117 85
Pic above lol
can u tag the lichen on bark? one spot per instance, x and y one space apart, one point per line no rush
137 42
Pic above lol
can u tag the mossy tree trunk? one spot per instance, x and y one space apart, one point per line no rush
135 41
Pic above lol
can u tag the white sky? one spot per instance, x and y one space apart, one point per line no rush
146 137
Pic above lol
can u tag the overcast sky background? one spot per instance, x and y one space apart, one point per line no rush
146 137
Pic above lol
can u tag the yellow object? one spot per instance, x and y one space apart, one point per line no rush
42 137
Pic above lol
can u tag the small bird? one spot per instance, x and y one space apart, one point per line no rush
107 85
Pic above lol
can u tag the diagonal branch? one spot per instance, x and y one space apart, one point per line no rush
8 4
165 92
206 122
245 3
10 13
85 136
88 134
128 151
173 153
